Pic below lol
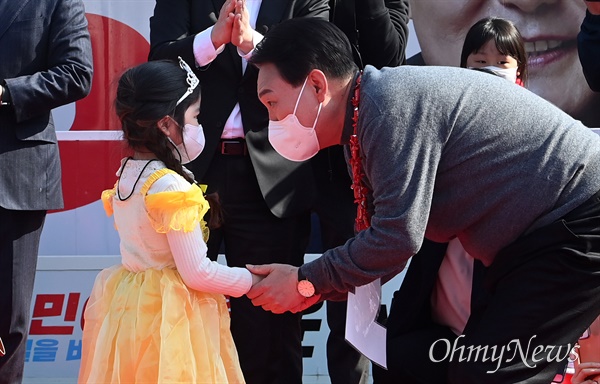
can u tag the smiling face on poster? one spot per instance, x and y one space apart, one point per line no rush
549 28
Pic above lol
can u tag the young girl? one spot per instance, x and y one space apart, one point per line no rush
161 316
496 45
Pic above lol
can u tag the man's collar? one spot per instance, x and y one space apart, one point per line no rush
348 126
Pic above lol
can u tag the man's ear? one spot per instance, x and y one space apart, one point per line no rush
318 81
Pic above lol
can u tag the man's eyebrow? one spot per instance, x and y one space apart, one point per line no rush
263 92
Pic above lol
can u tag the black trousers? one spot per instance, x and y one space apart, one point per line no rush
20 233
336 211
269 345
541 293
410 328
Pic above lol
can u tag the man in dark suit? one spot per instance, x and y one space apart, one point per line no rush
378 31
46 62
266 198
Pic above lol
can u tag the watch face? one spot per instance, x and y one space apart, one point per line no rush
306 288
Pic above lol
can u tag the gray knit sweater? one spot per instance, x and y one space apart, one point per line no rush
449 152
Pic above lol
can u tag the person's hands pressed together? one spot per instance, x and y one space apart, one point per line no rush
221 32
241 32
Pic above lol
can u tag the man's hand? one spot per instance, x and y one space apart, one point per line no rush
221 32
586 373
277 292
241 32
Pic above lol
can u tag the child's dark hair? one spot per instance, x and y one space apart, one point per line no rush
504 33
145 94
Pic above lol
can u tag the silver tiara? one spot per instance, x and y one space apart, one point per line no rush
191 79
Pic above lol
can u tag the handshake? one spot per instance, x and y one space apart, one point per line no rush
275 289
233 26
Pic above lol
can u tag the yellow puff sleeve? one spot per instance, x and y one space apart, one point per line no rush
178 210
107 200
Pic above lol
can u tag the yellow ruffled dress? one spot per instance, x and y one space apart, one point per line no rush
142 323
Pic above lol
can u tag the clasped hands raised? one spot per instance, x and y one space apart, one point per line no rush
233 26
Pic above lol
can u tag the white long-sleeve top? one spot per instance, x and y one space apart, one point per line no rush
142 247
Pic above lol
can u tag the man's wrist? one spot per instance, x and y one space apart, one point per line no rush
304 286
301 275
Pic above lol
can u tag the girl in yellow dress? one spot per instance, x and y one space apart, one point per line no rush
161 316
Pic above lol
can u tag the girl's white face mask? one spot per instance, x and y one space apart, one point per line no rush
192 144
293 140
509 74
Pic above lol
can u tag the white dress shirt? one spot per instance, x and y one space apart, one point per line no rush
451 296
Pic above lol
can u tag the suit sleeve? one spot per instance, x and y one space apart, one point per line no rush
313 8
170 31
589 49
171 34
68 76
383 31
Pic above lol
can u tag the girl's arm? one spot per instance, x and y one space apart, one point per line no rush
199 272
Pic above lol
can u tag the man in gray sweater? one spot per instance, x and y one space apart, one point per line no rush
440 153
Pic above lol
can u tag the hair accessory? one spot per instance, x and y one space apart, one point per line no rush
191 79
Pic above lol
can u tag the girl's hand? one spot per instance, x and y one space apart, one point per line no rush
256 278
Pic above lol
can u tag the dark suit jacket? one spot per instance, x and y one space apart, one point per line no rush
377 29
589 49
46 62
286 186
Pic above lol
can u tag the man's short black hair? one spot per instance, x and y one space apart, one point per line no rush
297 46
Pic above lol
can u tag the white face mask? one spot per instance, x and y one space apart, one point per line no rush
293 140
192 145
509 74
